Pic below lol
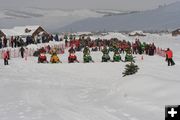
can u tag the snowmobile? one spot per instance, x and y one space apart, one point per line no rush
87 58
42 58
105 58
54 59
86 55
129 58
72 58
116 57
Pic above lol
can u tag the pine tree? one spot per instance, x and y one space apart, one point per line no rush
130 69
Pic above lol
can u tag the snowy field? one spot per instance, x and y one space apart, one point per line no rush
92 91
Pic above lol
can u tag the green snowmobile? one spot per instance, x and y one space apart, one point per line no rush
116 57
105 57
129 58
87 57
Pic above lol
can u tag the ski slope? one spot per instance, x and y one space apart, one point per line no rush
92 91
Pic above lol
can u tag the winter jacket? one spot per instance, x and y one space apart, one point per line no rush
22 49
169 54
71 50
86 51
5 55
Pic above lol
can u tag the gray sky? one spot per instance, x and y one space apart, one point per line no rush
92 4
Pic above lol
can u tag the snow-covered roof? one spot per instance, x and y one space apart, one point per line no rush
137 32
84 33
9 32
20 30
110 35
94 37
178 30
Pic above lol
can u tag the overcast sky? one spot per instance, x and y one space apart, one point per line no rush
92 4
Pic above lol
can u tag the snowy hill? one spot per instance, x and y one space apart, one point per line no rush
92 91
50 18
162 18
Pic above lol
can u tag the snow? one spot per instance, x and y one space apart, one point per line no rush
83 33
137 32
93 91
111 11
20 30
110 35
94 37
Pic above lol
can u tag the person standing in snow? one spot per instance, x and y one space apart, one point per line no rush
169 56
22 50
12 41
5 42
8 53
56 37
5 57
0 43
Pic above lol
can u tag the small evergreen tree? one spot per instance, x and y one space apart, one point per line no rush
130 69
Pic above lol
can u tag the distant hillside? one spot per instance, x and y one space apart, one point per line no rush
50 18
162 18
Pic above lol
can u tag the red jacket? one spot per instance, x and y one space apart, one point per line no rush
5 55
169 54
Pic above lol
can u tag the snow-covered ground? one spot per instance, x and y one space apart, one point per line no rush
92 91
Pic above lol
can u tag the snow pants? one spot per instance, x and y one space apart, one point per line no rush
5 61
170 62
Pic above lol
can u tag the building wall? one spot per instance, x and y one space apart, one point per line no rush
2 34
175 33
40 29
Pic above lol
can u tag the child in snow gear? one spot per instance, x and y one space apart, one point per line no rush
54 57
71 50
169 56
22 50
87 57
129 58
152 49
5 57
117 56
72 57
105 57
42 58
8 53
